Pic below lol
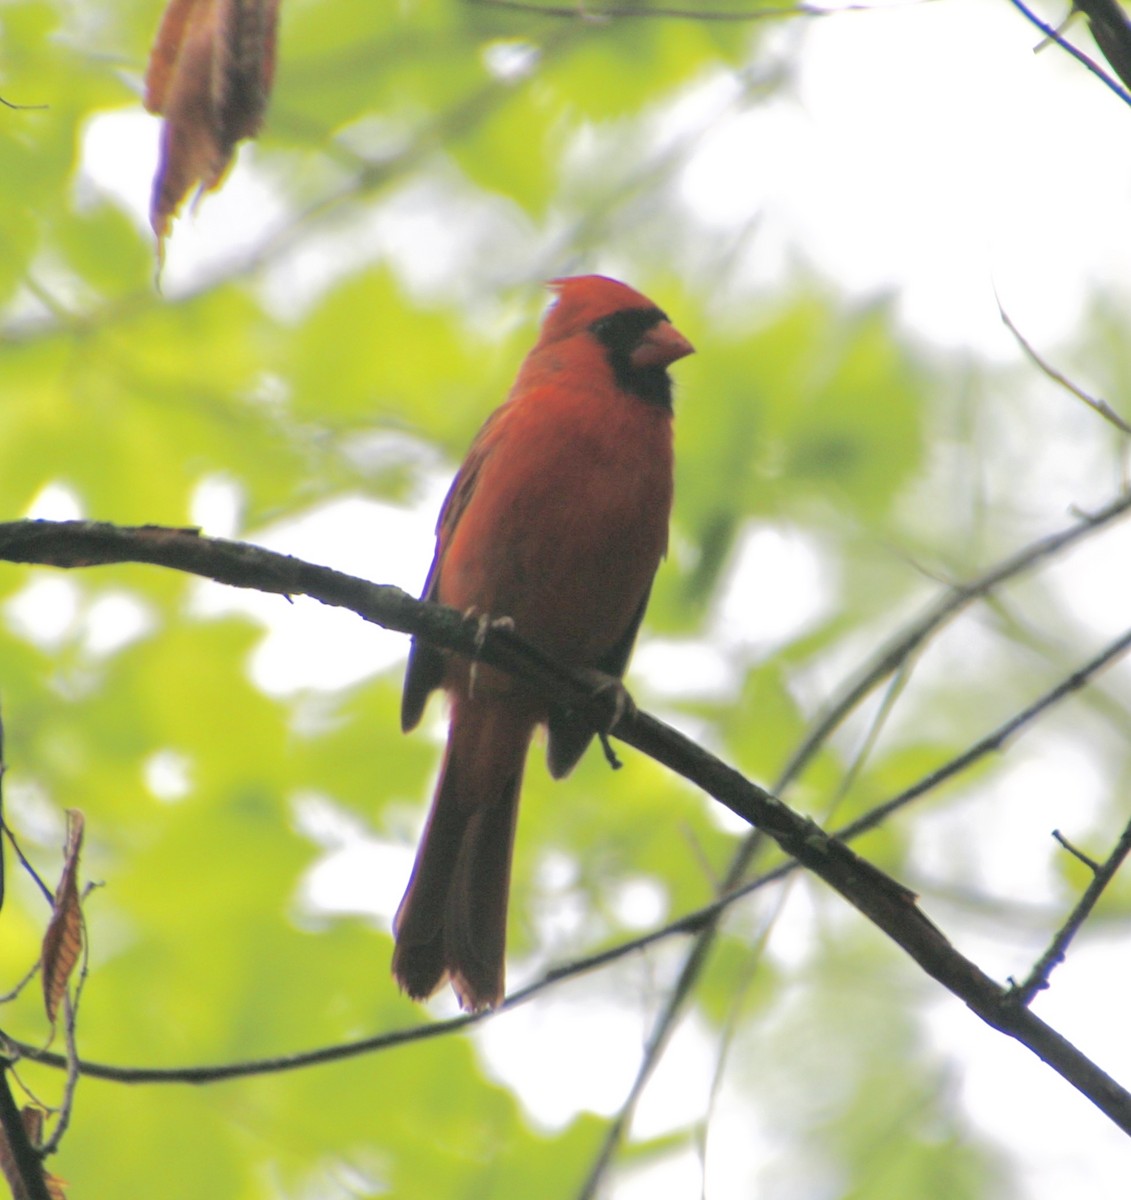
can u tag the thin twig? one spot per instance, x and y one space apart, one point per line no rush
728 1030
460 119
665 1021
710 915
12 993
689 923
729 1025
940 612
23 107
1076 853
1043 968
25 862
1096 403
897 684
991 743
73 1062
996 740
605 12
892 659
74 1072
881 899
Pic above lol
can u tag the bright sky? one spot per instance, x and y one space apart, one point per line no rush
932 153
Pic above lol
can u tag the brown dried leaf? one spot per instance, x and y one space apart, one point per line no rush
210 74
32 1119
56 1187
62 943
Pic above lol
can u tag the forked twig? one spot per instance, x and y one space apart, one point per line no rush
1103 874
881 899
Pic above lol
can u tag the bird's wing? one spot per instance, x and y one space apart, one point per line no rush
425 670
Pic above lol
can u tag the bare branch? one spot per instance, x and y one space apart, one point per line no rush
25 862
606 12
1076 853
1096 403
5 832
997 739
890 661
23 107
365 176
884 901
690 923
13 992
991 743
1103 874
949 605
74 1073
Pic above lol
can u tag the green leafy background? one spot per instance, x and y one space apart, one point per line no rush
896 465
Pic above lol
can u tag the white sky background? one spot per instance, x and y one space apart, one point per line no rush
933 153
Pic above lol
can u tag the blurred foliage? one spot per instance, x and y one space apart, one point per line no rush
799 412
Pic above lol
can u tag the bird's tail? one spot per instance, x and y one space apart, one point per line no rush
452 920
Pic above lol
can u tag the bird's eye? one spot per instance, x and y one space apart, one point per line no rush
620 331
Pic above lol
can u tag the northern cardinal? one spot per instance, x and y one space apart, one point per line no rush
557 521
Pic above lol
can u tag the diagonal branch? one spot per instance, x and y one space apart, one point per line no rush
608 12
1096 403
885 902
1103 874
891 659
953 601
691 922
991 743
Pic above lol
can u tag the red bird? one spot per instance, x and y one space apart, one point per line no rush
557 520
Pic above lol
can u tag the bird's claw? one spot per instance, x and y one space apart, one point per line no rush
619 703
486 623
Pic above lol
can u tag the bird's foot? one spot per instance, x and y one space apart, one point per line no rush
486 623
618 705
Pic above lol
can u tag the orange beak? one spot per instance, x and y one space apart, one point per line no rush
662 344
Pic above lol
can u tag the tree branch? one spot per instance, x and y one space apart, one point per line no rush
891 659
1096 403
1103 874
953 601
22 1159
23 107
885 902
608 12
